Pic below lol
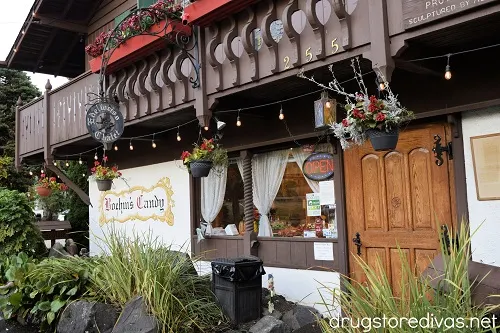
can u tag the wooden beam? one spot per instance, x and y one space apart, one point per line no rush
67 8
415 68
84 196
48 44
57 23
66 55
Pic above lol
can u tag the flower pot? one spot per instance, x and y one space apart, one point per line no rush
200 168
104 184
43 191
141 46
382 140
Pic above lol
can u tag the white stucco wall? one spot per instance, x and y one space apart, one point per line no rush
484 215
177 235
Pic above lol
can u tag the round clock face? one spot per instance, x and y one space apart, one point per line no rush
105 122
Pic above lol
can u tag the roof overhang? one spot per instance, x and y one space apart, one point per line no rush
52 38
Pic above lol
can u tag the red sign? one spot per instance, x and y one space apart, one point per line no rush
318 166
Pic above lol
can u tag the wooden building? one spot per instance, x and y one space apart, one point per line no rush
244 63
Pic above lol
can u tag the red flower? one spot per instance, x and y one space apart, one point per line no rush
96 163
185 154
119 174
52 179
93 169
380 117
42 175
358 114
105 158
345 122
115 169
104 172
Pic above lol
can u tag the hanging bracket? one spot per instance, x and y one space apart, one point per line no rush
439 149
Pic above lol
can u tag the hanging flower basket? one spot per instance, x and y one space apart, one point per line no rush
204 157
43 191
138 36
104 184
383 140
200 168
367 116
104 175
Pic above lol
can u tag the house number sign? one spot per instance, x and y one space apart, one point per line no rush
318 166
105 122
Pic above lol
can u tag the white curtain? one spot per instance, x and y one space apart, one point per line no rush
239 162
267 173
213 189
300 156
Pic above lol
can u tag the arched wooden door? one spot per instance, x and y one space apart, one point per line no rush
398 198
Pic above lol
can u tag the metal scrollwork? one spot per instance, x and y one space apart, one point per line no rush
184 40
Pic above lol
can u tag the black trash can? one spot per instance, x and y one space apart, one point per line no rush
237 284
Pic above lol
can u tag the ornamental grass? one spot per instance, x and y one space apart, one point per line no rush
452 298
175 294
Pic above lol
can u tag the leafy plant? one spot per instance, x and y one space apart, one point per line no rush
364 112
207 150
40 291
448 295
176 295
18 232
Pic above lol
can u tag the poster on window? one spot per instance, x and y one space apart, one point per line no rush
313 204
327 193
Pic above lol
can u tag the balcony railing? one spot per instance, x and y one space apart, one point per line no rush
32 127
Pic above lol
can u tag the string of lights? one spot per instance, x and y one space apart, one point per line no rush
280 102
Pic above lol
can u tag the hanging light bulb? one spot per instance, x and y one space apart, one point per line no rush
116 147
238 121
80 160
206 128
281 116
31 173
130 146
55 163
153 144
67 164
95 156
381 86
41 171
447 74
178 134
83 174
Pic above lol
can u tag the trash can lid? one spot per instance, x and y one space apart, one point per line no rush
241 259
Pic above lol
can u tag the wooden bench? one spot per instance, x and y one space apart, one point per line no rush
53 230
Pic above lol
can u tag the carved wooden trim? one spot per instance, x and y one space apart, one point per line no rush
111 91
212 59
290 31
271 44
129 89
228 49
120 92
318 28
345 22
153 72
246 38
168 61
178 73
141 84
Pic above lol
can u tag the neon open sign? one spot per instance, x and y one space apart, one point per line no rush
318 166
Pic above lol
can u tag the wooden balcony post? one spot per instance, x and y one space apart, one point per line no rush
250 243
17 161
47 151
380 52
203 112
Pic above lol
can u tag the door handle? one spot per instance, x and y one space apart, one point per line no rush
357 241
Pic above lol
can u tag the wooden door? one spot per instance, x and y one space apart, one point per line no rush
398 198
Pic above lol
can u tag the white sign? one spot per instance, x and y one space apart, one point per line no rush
138 203
323 251
327 193
313 205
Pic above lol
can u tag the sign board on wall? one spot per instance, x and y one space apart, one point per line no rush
418 12
318 166
313 205
138 203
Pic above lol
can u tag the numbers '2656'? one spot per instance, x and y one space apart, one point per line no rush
309 56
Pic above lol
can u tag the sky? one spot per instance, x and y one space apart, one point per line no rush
12 17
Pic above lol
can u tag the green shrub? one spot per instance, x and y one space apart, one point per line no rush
17 230
42 290
179 298
451 298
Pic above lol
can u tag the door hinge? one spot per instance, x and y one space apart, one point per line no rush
439 149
